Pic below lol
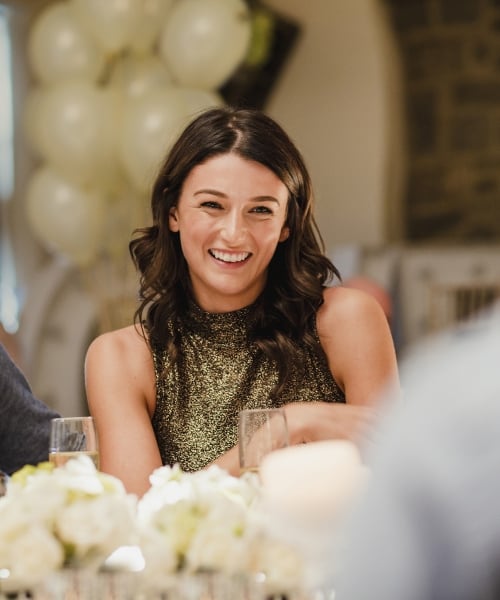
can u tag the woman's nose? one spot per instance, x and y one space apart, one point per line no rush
233 227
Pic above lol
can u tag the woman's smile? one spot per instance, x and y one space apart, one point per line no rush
229 257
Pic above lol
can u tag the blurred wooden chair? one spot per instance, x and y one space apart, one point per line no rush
452 304
440 287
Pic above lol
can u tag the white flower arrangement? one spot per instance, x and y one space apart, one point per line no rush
206 523
52 518
209 521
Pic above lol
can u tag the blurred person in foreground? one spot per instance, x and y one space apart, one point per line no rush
428 524
24 420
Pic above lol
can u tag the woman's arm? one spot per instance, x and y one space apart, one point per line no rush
358 344
120 386
357 341
230 461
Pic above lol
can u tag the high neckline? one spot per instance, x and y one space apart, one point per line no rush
232 325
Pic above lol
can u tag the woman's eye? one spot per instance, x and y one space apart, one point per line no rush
210 204
262 210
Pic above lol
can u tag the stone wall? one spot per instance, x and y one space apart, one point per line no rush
451 56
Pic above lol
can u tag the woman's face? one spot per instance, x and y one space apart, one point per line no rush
230 217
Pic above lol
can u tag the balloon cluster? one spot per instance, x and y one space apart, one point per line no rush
116 82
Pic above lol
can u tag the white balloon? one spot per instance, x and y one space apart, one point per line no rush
197 101
150 125
65 218
32 121
133 76
74 128
126 211
59 47
203 41
147 29
111 22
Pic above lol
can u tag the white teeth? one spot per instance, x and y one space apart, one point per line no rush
231 257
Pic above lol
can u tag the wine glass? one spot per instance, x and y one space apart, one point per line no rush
260 431
71 437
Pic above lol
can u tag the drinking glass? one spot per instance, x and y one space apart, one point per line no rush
71 437
260 431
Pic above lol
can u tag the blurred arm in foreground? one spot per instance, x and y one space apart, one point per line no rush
24 420
427 526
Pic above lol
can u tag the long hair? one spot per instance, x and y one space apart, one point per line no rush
299 269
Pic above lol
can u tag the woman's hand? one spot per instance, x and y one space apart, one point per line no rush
315 421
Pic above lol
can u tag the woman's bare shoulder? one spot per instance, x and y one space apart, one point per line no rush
127 341
342 305
122 360
356 338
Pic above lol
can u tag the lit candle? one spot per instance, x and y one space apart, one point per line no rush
306 489
314 480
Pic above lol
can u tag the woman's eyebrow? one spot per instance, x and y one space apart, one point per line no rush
220 194
265 199
211 192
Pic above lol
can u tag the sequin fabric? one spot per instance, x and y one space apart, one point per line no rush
220 373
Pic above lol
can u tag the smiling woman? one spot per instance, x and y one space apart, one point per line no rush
230 218
235 311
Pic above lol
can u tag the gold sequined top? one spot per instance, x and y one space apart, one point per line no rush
220 372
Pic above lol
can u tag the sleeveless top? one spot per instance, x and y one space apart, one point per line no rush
219 373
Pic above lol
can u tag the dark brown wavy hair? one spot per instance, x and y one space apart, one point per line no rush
298 271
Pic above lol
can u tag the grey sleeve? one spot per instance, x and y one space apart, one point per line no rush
24 420
427 526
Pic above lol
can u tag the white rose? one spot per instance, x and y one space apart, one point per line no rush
79 475
12 520
30 555
281 564
178 522
221 537
98 525
38 499
160 557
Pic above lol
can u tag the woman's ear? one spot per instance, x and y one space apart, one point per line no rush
173 223
285 233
